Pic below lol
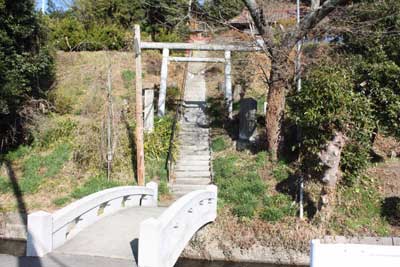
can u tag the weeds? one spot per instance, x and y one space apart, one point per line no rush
20 152
163 187
36 168
360 209
53 131
281 172
155 169
5 185
156 143
93 185
240 186
127 77
277 207
61 201
218 144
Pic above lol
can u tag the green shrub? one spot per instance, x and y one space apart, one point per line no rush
93 185
218 144
70 34
156 143
167 36
5 185
67 33
106 37
277 207
328 104
155 169
381 85
26 67
163 187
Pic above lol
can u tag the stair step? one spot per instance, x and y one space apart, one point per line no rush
195 155
193 125
194 137
192 163
204 167
192 181
188 152
203 131
184 188
193 147
195 158
190 174
202 143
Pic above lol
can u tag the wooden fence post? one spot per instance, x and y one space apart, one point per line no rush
228 83
163 83
139 110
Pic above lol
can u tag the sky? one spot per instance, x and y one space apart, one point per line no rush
59 3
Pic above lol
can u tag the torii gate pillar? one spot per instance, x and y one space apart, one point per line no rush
163 83
228 83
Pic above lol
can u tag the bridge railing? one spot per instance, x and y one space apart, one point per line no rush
47 231
347 255
162 240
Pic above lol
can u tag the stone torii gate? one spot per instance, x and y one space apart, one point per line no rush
166 58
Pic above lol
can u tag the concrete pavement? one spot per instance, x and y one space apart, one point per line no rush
111 241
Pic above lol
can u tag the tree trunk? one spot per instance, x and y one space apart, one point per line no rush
330 159
276 102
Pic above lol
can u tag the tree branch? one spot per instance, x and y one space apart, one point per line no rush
312 19
265 30
257 15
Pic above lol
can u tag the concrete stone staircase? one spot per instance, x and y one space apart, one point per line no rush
193 167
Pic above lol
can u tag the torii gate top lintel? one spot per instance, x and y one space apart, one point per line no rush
245 47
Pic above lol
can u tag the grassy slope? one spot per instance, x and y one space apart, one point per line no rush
67 158
257 197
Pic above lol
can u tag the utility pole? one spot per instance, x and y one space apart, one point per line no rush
298 87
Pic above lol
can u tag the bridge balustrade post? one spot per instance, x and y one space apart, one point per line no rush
163 83
154 186
150 244
228 83
40 229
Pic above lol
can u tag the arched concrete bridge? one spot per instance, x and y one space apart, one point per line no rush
121 226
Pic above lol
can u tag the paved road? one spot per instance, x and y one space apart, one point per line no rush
110 242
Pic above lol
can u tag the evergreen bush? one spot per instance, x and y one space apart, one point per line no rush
329 104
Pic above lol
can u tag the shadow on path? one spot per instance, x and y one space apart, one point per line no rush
135 250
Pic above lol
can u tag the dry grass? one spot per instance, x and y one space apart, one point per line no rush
80 95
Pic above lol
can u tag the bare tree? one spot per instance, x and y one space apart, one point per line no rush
278 51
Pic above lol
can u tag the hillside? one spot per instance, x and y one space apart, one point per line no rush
66 159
